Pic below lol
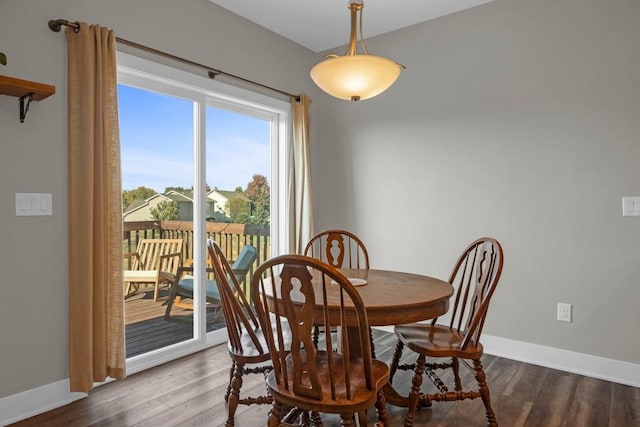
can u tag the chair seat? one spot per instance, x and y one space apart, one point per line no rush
212 292
361 399
147 276
250 352
436 341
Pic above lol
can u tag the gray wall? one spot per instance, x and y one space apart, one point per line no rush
518 119
33 260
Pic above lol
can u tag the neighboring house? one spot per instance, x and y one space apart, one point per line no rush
185 204
220 199
140 210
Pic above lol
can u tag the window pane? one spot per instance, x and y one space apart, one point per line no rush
238 165
156 134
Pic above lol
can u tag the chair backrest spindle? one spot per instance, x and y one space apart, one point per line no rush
238 313
475 276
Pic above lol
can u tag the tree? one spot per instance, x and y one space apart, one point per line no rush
243 218
261 216
166 210
140 193
185 190
237 206
258 192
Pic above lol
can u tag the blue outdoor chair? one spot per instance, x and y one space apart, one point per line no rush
183 285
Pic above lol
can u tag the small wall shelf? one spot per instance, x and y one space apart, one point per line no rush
25 90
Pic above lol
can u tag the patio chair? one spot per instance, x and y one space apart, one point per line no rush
182 286
154 262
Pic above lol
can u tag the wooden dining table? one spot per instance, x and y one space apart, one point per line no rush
392 298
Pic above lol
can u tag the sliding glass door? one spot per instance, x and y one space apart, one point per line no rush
200 160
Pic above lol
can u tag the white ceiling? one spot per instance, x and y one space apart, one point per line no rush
324 24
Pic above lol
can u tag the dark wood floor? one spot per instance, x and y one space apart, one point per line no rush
189 392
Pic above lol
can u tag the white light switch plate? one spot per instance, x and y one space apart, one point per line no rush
631 206
34 204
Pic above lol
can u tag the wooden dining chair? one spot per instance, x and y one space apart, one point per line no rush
246 343
339 248
327 377
475 276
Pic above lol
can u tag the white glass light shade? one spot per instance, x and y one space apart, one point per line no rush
355 77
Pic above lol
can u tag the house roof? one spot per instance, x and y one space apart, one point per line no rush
187 196
139 204
231 194
135 205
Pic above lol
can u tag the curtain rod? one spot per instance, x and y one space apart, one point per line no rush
57 24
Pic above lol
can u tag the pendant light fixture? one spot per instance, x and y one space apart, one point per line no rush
355 76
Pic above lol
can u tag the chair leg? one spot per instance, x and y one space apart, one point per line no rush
381 409
316 421
362 418
167 312
234 397
455 366
484 393
275 415
231 371
346 420
304 419
373 347
396 359
414 396
132 288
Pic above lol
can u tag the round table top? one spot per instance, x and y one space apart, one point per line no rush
394 298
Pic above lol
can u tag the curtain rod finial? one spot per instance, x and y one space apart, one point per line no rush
55 25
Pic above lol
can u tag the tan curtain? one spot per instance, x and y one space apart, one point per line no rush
300 206
96 306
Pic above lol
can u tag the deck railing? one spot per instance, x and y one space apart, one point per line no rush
231 237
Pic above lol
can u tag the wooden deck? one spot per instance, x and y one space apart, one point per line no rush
147 330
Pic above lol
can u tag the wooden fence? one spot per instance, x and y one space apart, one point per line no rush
231 237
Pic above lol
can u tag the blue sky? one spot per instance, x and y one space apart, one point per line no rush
156 138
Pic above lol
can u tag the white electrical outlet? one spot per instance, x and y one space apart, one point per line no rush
564 312
631 206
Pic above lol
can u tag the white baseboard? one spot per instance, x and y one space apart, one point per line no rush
569 361
602 368
36 401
